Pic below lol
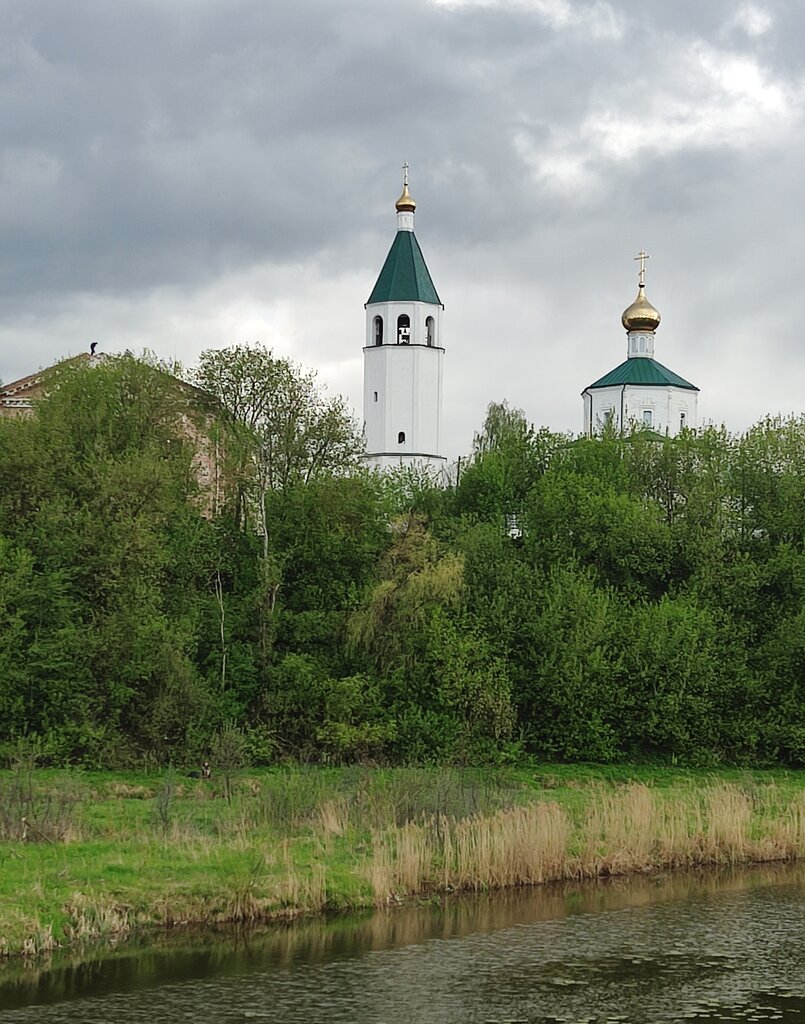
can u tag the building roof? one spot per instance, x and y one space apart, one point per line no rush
21 394
404 277
644 372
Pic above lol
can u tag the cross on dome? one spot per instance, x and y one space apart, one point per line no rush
405 204
642 256
641 315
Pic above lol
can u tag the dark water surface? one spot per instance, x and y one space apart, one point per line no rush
707 947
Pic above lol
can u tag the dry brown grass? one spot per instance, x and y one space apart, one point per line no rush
726 832
127 791
402 861
787 840
92 918
625 830
534 849
297 889
333 817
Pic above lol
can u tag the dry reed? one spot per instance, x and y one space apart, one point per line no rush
300 890
92 918
534 848
333 817
618 831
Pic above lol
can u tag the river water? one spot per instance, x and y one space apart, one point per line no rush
704 947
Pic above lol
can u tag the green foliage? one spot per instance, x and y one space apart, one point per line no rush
471 686
571 702
572 599
509 456
289 431
313 716
416 581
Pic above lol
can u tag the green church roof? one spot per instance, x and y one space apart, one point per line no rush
640 370
404 276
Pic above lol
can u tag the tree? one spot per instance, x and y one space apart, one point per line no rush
105 523
448 691
416 580
283 432
290 430
569 700
509 456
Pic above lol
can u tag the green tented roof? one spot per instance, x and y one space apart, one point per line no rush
404 277
640 370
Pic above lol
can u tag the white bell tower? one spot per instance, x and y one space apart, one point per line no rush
403 356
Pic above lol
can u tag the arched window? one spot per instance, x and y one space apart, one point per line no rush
375 396
401 437
403 329
378 330
430 330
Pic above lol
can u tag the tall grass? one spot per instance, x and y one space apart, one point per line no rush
35 813
294 797
616 832
91 919
157 851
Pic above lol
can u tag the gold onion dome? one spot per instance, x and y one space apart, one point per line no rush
405 202
641 315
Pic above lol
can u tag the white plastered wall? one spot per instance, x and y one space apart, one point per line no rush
667 406
403 395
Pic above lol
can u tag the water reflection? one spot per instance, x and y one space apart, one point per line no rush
711 946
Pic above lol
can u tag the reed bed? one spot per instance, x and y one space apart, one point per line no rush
103 857
633 829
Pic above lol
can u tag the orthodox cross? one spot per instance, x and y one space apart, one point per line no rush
405 173
642 256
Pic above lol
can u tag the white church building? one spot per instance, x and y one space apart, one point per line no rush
403 365
403 357
640 391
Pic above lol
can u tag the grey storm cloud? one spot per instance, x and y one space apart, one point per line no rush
175 171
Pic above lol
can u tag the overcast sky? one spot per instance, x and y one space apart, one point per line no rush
186 174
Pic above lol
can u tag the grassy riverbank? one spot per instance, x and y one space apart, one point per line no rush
95 855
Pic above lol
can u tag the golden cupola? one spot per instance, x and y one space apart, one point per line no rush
405 204
641 315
